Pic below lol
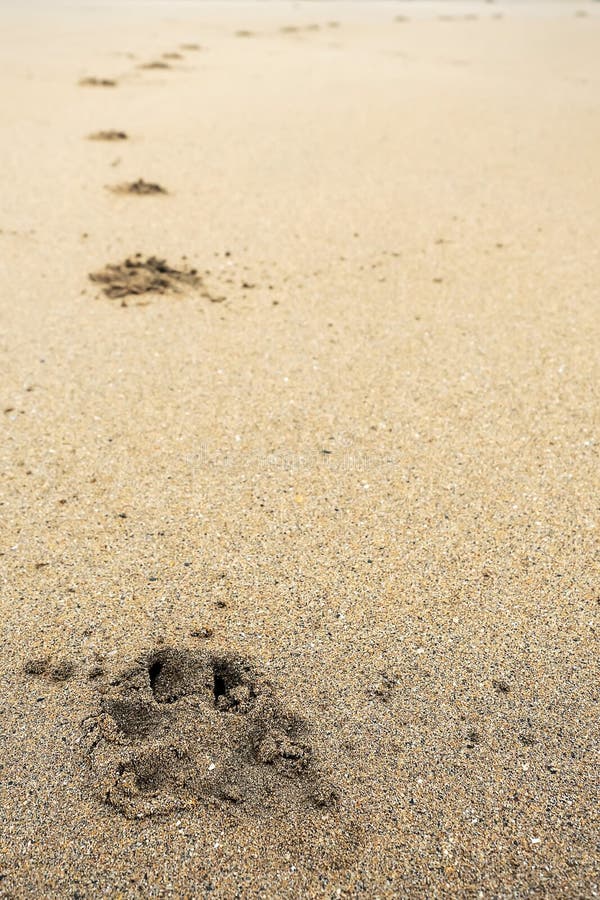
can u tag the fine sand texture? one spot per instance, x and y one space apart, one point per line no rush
299 410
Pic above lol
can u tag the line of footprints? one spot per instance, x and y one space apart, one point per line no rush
137 275
178 728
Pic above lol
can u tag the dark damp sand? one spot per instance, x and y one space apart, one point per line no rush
371 472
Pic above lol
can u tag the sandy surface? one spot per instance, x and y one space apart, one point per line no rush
357 465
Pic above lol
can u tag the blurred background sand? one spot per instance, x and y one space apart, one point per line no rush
373 468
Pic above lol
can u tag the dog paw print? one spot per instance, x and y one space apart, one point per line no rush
184 728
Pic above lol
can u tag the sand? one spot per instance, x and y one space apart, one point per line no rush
300 588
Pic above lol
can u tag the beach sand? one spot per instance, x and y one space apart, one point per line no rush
299 560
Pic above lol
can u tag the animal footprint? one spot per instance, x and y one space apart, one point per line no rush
184 728
140 188
155 64
97 82
56 670
110 135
